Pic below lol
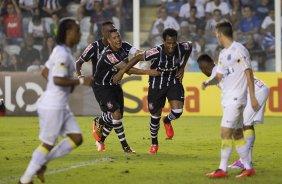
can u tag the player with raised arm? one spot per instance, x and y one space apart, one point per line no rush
102 125
250 117
170 59
55 118
235 68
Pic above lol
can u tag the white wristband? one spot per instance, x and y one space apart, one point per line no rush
81 80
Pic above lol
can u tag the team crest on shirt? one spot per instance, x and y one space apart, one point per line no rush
109 105
151 106
151 52
112 58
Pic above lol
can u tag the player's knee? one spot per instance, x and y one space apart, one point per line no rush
177 112
76 139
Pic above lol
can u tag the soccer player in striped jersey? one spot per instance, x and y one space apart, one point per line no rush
234 68
250 117
170 59
102 125
108 93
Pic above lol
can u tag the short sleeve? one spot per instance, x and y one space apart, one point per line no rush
88 52
60 68
244 58
152 53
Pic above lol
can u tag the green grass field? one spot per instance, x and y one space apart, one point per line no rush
193 152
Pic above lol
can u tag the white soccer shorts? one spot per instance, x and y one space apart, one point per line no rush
232 116
249 115
56 122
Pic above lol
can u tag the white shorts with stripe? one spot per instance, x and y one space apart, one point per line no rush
250 116
56 122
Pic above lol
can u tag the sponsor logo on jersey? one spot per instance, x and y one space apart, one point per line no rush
151 52
112 58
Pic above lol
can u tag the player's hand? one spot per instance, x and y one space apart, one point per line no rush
204 85
88 80
153 73
180 73
255 104
117 77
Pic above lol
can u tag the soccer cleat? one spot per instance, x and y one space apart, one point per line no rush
128 150
217 174
237 164
246 173
153 149
40 173
97 129
168 129
100 146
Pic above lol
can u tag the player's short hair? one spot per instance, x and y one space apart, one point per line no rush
169 32
65 24
108 22
225 27
204 58
111 31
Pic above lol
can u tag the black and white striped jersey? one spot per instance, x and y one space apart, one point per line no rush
93 52
106 66
167 65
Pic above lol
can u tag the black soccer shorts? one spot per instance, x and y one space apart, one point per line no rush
157 97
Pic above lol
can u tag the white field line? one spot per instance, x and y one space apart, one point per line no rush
61 169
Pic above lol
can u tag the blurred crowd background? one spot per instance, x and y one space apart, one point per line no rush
28 27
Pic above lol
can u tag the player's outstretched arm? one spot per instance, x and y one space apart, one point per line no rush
214 81
117 77
78 65
138 71
250 79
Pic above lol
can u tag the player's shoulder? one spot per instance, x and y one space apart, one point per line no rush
187 45
153 51
239 47
60 50
125 44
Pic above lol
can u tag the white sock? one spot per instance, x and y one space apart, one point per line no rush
250 141
226 149
38 159
243 152
64 147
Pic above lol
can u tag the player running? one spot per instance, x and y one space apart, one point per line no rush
102 125
170 59
55 117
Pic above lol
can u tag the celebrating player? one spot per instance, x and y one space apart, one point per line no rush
170 59
55 118
102 125
235 68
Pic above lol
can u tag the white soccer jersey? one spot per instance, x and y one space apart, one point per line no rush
60 64
233 62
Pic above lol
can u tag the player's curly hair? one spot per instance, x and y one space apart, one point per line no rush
64 25
204 58
169 32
